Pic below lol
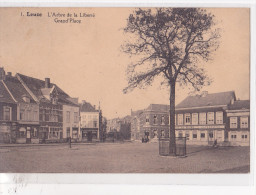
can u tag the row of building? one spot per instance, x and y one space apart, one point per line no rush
37 111
202 119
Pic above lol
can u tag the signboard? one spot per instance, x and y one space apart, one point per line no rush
201 127
5 129
238 114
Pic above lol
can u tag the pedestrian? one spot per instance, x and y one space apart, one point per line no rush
69 142
215 143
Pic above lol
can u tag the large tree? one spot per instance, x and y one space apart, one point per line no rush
171 43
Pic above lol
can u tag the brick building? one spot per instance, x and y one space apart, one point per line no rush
51 100
202 119
27 111
154 121
8 113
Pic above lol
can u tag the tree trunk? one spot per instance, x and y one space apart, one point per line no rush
172 119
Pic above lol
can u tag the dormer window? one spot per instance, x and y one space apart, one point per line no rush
54 100
26 99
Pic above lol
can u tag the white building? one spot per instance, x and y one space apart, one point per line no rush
238 123
89 122
71 121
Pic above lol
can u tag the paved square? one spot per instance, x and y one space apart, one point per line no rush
130 157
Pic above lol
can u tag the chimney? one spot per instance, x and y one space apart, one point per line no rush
9 74
2 73
47 82
83 101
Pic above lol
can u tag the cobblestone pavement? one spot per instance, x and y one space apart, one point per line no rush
133 157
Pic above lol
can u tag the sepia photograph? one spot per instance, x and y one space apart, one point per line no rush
125 90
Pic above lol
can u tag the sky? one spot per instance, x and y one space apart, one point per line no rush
86 61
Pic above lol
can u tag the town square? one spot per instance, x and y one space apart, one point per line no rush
154 90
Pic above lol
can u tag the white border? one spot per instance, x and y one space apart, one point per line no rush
94 181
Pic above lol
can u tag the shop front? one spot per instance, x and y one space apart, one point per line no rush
27 134
89 134
8 133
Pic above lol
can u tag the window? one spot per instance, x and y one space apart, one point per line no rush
233 136
33 132
180 134
95 124
76 118
68 117
155 118
29 115
194 135
68 131
187 119
202 118
195 119
35 116
211 135
7 113
202 135
162 133
147 119
219 117
180 119
210 118
43 115
233 122
155 133
22 114
162 120
244 122
22 132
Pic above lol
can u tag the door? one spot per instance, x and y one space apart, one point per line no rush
28 138
210 137
44 137
89 136
219 136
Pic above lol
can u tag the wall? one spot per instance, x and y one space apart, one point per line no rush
13 110
71 123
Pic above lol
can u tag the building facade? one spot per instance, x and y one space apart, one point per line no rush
152 121
238 123
120 127
202 118
27 111
71 121
8 113
52 102
90 122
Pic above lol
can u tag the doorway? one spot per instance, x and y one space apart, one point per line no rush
28 138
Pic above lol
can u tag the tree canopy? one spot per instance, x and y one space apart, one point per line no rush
172 42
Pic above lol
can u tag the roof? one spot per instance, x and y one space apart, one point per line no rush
87 107
214 99
240 105
5 95
37 87
136 113
158 107
17 89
